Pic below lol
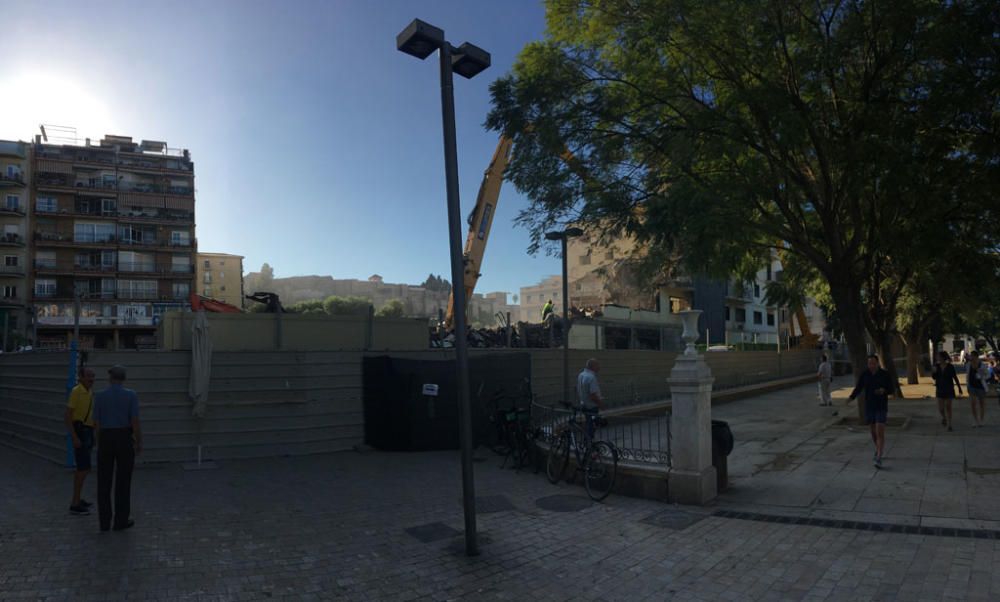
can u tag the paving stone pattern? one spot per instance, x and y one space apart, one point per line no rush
335 527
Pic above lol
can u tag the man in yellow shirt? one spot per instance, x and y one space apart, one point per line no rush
79 420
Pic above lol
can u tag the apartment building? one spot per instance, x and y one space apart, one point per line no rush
14 176
732 311
114 232
220 277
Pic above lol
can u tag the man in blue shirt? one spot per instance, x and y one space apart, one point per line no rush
119 439
876 384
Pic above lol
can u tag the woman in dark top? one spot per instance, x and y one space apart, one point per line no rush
944 376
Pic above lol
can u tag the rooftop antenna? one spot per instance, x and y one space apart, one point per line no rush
45 136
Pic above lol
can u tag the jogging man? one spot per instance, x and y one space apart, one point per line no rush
79 421
876 384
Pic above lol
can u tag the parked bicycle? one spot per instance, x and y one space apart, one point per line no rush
513 434
597 460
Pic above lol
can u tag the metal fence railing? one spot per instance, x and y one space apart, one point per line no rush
638 439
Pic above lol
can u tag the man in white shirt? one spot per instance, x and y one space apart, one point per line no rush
588 391
825 376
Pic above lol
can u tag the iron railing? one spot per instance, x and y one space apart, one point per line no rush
638 439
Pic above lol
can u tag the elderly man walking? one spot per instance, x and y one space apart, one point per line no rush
588 390
119 439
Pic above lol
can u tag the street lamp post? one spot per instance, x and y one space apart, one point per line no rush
563 237
420 39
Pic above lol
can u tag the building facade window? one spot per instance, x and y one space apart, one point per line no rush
208 264
9 292
208 290
10 261
180 263
13 202
180 238
45 287
741 315
758 317
46 204
727 313
756 290
93 232
768 272
770 319
181 290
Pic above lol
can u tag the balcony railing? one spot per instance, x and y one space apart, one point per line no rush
16 178
12 269
15 210
8 238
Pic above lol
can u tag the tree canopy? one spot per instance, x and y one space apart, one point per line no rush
841 133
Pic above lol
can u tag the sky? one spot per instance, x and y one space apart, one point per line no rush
317 145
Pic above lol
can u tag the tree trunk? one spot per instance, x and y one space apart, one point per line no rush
848 302
914 350
883 343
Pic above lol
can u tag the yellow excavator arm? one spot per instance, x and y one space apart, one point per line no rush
480 223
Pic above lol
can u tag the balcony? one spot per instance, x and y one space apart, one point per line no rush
8 239
11 301
17 210
12 270
12 180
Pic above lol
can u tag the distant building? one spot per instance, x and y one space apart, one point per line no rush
220 277
533 298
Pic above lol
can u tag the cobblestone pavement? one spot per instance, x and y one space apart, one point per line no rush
384 526
335 527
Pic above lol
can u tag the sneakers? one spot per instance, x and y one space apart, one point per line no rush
85 503
878 462
79 509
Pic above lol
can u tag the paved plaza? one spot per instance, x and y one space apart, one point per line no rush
387 526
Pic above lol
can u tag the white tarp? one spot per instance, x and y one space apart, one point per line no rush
201 364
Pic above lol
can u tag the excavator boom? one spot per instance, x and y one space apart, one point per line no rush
480 223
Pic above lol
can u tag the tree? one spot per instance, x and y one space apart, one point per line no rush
393 308
835 132
436 284
346 306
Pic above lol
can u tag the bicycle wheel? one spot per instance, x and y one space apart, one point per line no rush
555 466
500 443
600 470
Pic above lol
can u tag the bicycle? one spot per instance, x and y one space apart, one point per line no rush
597 460
513 434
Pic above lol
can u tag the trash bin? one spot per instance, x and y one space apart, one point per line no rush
722 446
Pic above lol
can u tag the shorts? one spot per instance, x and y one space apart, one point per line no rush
82 454
876 414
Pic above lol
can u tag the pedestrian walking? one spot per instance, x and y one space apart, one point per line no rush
825 376
588 390
119 440
876 384
975 380
79 419
944 376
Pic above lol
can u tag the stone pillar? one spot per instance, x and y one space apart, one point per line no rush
692 477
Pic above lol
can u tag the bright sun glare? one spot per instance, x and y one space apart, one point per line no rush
33 98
